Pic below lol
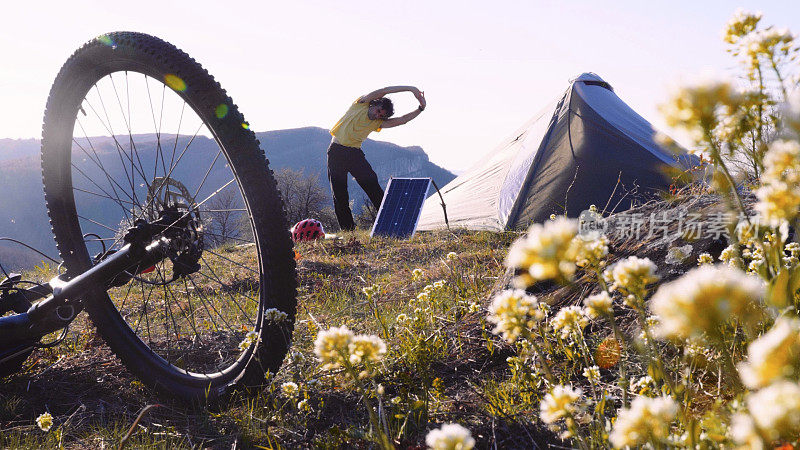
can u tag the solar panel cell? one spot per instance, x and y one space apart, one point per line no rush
400 208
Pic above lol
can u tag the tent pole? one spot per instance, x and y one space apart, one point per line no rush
444 207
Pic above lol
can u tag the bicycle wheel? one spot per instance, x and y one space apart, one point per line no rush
134 127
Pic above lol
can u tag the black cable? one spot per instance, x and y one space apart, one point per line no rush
100 239
28 247
56 342
24 245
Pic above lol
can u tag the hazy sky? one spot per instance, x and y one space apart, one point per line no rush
486 67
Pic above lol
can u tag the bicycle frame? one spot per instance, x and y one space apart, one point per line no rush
20 332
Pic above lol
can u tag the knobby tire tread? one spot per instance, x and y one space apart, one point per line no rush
146 54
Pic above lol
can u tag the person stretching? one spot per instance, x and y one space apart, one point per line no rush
368 113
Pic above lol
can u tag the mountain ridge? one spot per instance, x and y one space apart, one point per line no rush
23 215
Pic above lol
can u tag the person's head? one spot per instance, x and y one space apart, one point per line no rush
380 108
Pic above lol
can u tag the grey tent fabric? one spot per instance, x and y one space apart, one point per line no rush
587 148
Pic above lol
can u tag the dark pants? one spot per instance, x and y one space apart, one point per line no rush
342 160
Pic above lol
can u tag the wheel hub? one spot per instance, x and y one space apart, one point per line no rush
171 207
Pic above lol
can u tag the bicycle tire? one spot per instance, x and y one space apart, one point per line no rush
138 53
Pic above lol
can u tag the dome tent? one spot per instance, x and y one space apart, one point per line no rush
587 148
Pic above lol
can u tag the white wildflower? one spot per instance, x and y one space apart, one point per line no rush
755 266
643 385
371 291
744 432
450 436
569 320
791 114
250 338
592 253
592 374
547 252
303 405
416 274
274 315
366 348
773 356
560 402
452 256
776 410
598 305
332 346
778 202
632 275
290 389
44 421
704 298
695 108
779 195
338 347
742 23
768 42
705 259
694 348
514 313
647 420
728 255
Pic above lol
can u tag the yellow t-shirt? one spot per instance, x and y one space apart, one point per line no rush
355 125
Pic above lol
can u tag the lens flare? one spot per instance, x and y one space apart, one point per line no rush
221 111
106 40
175 82
245 125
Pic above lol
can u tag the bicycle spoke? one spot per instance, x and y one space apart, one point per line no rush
217 279
222 210
194 288
143 312
131 143
118 201
227 237
149 203
120 150
97 223
99 164
203 181
177 134
168 316
231 261
206 304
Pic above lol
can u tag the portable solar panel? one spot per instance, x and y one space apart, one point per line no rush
400 208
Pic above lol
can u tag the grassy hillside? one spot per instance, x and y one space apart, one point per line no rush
436 369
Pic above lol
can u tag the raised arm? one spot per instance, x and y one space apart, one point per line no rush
389 90
395 121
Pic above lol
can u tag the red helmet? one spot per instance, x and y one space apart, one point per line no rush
307 230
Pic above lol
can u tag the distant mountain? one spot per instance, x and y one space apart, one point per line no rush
18 148
23 215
